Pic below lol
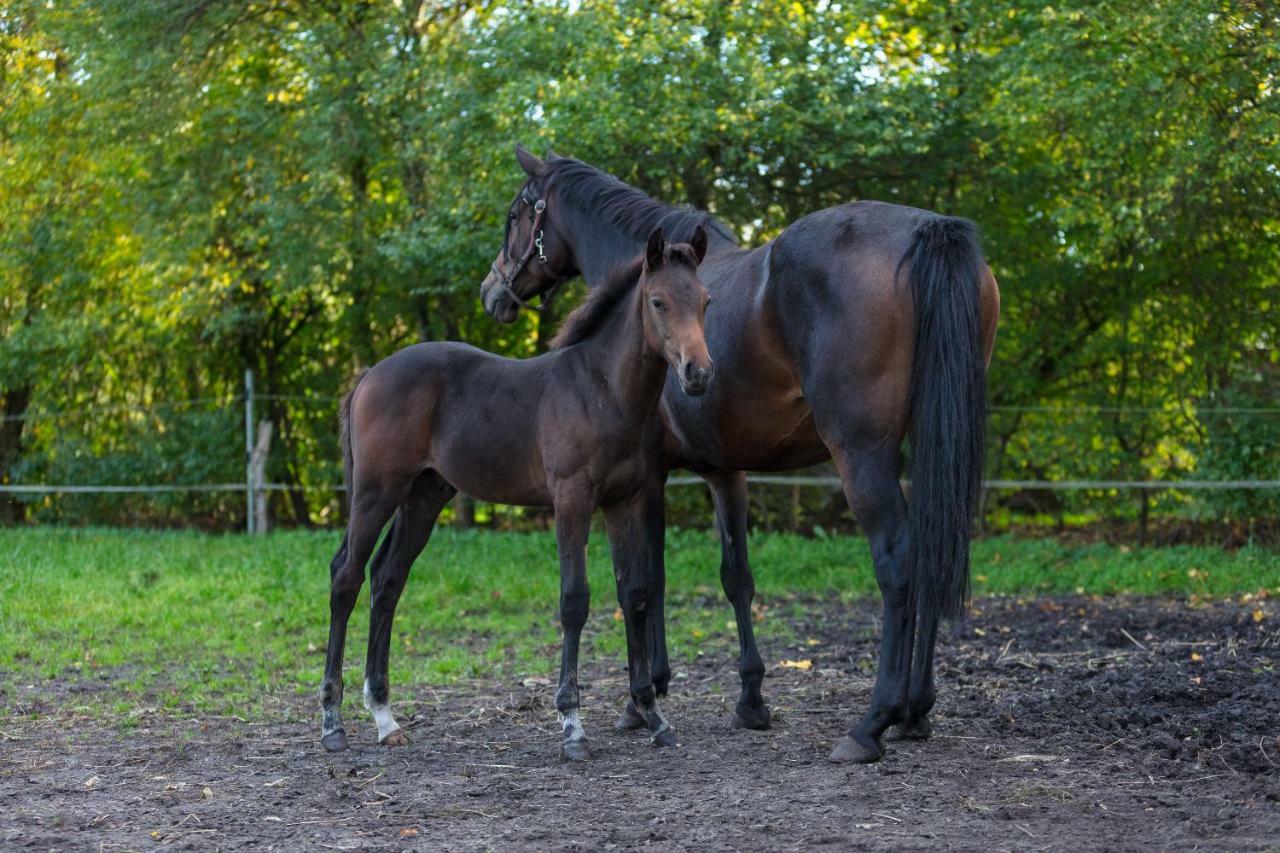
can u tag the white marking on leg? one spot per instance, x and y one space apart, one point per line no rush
381 715
571 725
657 722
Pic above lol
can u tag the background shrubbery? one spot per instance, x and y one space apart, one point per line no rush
190 190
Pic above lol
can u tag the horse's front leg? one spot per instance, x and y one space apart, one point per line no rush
573 524
729 493
626 526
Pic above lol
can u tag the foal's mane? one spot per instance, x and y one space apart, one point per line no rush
626 207
584 320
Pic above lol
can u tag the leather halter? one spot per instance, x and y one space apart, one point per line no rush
535 245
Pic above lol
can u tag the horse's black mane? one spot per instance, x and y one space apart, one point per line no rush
588 317
624 206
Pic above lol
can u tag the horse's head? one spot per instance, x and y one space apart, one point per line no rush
535 258
675 308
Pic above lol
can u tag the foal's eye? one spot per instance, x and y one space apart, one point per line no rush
657 303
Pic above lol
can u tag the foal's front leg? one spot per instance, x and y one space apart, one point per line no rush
573 524
636 596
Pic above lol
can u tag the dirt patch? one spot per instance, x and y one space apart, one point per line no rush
1062 724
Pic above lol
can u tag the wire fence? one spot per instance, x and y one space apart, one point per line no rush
255 486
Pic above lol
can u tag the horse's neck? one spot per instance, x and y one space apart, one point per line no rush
602 251
618 350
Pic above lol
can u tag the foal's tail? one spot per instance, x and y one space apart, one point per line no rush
948 412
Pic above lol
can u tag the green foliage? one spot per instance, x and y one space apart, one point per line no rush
188 191
227 624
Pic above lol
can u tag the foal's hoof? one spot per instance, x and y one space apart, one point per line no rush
850 751
334 741
396 738
629 720
920 729
575 750
665 737
755 717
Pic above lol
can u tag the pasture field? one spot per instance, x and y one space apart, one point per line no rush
157 690
191 622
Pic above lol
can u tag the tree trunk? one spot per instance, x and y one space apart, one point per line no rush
15 405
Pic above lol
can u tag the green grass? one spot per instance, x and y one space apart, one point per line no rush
188 622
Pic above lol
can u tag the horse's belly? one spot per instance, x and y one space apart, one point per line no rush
747 432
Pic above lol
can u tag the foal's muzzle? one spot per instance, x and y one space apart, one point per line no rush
694 379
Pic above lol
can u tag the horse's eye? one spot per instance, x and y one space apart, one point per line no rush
657 303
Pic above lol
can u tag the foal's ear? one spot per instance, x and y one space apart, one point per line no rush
533 167
551 155
699 243
653 250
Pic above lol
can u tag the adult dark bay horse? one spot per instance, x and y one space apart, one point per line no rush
856 327
576 429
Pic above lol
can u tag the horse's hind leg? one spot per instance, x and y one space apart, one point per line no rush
410 529
729 492
369 512
626 526
868 465
920 692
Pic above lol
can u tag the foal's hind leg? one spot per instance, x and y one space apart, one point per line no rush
369 512
410 530
625 524
729 492
573 524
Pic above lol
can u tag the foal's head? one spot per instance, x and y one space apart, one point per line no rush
675 307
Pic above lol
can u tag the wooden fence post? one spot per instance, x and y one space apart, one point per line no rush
258 476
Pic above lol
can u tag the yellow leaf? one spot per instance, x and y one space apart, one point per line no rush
408 831
1196 656
617 615
1259 615
802 665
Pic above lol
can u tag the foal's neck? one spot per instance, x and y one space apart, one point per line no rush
619 351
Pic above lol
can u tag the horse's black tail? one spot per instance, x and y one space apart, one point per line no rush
948 412
344 436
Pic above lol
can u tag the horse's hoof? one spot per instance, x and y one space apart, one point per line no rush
334 741
666 737
575 750
629 720
921 729
850 751
751 717
395 738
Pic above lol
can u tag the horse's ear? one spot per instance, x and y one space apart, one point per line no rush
533 167
653 250
699 243
551 155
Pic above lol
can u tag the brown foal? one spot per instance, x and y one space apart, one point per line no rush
576 429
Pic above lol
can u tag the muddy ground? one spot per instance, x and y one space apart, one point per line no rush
1063 724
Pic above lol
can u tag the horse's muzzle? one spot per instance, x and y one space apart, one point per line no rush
497 304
